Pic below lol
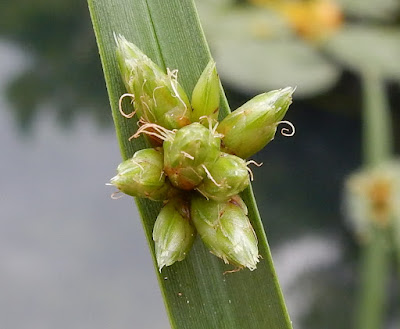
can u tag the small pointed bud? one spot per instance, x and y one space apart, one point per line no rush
142 176
253 125
206 95
192 149
227 177
157 96
173 233
226 230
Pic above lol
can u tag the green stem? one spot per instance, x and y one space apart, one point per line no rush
395 238
377 129
373 278
377 147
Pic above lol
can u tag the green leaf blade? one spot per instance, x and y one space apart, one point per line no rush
195 291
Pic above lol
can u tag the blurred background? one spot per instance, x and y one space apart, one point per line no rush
70 257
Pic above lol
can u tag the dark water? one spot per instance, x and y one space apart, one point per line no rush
70 257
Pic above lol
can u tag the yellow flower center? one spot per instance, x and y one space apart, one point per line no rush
311 19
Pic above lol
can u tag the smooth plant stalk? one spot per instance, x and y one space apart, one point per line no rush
374 265
396 241
374 270
377 129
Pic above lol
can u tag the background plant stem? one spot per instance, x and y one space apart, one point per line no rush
375 258
377 128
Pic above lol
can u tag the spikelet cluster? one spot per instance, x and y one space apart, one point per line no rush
198 165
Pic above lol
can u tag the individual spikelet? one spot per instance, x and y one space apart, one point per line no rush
253 125
206 96
226 230
143 176
157 97
173 233
187 155
227 177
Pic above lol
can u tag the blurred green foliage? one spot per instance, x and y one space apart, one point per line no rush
256 47
64 73
266 44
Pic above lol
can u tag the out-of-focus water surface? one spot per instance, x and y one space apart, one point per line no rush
70 257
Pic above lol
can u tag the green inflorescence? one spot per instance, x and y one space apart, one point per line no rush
197 166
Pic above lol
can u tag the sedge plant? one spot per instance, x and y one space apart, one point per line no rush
196 292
